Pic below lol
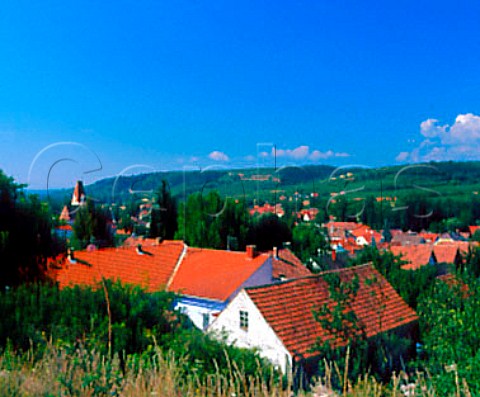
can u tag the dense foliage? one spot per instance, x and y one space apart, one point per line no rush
449 322
113 319
164 214
211 222
92 225
25 234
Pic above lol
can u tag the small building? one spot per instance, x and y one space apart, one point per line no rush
65 215
278 319
78 196
205 279
208 280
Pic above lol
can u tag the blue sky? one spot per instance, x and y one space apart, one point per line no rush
169 85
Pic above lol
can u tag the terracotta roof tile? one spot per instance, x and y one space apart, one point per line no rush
446 253
151 270
214 274
416 256
288 306
463 246
473 229
288 265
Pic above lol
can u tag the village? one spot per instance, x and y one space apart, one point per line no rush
266 299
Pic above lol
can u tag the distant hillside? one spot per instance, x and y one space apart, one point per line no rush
456 180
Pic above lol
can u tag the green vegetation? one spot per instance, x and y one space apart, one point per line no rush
447 192
114 338
164 215
114 320
210 222
92 225
449 323
25 234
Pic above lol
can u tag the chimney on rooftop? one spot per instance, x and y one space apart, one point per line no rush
275 252
334 255
250 251
139 249
71 256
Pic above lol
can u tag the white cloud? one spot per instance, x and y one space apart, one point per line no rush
304 153
218 156
459 141
402 156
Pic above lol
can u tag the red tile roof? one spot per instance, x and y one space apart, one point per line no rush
446 253
429 237
64 227
473 229
463 246
65 215
152 270
133 241
416 256
342 225
78 196
288 265
287 307
267 209
214 274
367 233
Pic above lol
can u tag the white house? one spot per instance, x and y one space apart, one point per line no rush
246 327
277 319
208 280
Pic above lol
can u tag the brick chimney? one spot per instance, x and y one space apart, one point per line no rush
250 251
334 255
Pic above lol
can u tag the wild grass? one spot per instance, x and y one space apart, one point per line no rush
63 372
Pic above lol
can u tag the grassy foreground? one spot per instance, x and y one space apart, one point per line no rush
62 372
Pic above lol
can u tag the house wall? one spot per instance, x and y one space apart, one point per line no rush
258 335
197 308
263 275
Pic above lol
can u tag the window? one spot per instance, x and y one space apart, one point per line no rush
205 320
244 320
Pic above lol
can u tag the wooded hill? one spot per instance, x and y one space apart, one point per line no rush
459 181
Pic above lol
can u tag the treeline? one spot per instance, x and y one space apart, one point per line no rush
413 212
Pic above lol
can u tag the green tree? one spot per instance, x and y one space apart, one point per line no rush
92 225
449 323
268 231
164 214
343 330
26 240
309 241
210 222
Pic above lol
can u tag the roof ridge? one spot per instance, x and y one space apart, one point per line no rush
318 275
177 265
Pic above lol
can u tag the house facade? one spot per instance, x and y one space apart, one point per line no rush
278 319
208 280
246 327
